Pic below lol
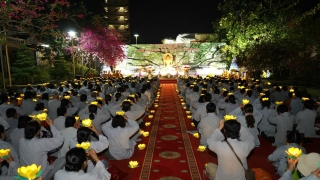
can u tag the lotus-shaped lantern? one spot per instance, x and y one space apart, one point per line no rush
141 146
133 164
29 172
86 123
148 123
84 145
294 153
245 101
145 134
201 148
229 117
4 153
196 135
42 116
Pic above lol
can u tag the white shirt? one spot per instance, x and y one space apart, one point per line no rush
28 106
52 108
5 145
15 137
35 150
207 125
59 123
68 134
99 172
305 120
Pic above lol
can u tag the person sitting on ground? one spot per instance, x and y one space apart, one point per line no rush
121 132
69 132
83 102
279 156
305 120
59 122
18 133
12 119
77 163
266 111
27 104
38 109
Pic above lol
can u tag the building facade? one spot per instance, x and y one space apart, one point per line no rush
117 15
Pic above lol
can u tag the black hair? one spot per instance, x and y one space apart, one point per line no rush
195 88
294 137
118 121
45 96
1 129
92 110
27 95
265 103
117 96
282 108
39 106
308 104
65 102
70 121
216 91
232 99
107 98
31 129
22 121
83 134
61 111
126 106
83 97
75 158
248 108
211 107
249 93
207 97
232 129
11 112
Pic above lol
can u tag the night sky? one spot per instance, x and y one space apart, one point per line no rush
155 20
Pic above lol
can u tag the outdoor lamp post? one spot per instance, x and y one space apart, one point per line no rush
136 35
72 34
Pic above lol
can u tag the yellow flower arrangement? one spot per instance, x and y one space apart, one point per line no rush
132 95
245 101
294 153
196 135
229 117
265 99
42 116
19 99
189 116
84 145
22 95
148 123
110 95
86 123
133 164
201 148
141 146
145 134
4 153
141 131
278 103
121 113
94 103
152 111
240 87
29 172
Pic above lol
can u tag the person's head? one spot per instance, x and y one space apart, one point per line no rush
195 88
12 113
282 109
76 160
108 98
22 121
32 130
216 91
27 95
117 96
92 110
83 97
39 107
265 102
45 96
65 102
308 104
61 111
249 93
83 134
2 132
211 108
232 129
55 95
232 99
118 121
294 137
207 97
70 121
248 110
13 101
126 106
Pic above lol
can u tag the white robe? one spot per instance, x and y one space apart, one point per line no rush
305 120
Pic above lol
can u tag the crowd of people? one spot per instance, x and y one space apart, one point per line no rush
228 111
115 106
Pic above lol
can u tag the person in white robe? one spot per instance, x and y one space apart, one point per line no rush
249 118
284 122
296 104
69 132
35 150
76 165
13 104
305 120
242 142
59 122
82 103
208 123
266 111
119 132
132 111
201 111
228 106
18 133
53 105
28 104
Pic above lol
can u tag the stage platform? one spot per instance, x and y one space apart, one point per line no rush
168 81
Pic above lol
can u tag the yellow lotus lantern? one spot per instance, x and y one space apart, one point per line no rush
4 153
277 103
45 110
146 134
196 135
188 112
94 103
262 94
280 87
201 148
141 146
192 124
189 116
141 131
147 123
229 117
291 90
229 94
304 99
86 123
294 153
265 90
224 89
99 98
265 99
269 83
133 164
156 105
22 95
121 113
34 100
245 101
183 103
77 118
84 145
42 116
156 100
152 111
29 172
184 107
150 116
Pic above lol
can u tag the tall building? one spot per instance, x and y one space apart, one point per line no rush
117 14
